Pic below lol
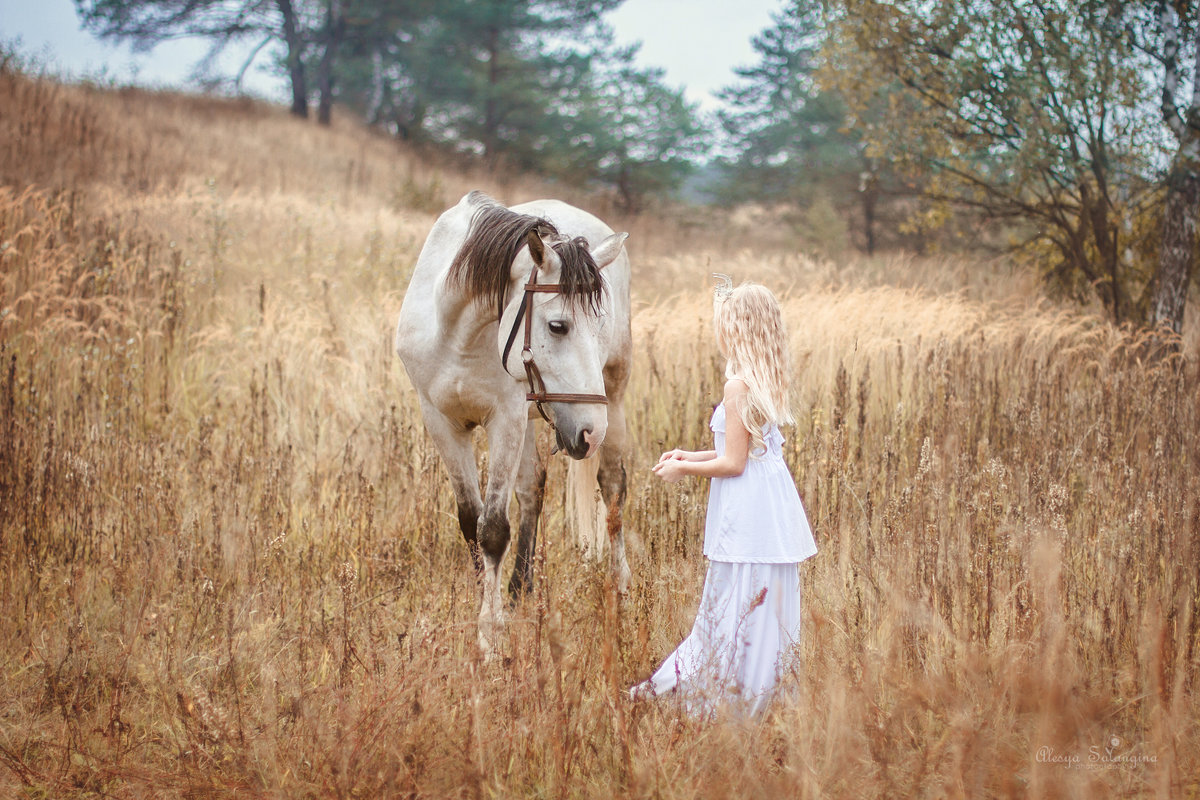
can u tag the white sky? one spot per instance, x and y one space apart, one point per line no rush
697 42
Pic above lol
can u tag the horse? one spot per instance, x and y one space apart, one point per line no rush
559 276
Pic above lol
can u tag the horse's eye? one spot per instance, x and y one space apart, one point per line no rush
558 327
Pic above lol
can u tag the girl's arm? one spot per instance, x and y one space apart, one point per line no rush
737 446
688 455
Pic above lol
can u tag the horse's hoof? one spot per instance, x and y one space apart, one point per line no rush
489 642
488 650
623 579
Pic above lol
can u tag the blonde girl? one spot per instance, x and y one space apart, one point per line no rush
756 531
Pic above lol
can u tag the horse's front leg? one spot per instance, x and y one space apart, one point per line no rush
612 480
453 441
506 435
531 489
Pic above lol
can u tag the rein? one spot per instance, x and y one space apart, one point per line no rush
537 387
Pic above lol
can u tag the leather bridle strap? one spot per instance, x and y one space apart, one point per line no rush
526 303
537 387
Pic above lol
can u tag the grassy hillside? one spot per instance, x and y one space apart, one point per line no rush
229 562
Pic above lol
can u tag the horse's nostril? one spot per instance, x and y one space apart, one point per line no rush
589 441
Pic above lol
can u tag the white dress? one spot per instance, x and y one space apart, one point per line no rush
749 617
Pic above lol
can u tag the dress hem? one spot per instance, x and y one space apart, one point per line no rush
799 560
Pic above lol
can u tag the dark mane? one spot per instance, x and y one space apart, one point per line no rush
483 264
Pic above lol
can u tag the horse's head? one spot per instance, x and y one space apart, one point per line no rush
568 338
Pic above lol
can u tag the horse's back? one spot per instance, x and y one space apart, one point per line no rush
570 220
574 221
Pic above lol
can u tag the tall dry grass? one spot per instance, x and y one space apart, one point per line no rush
231 567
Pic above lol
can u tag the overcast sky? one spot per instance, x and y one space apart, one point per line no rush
697 42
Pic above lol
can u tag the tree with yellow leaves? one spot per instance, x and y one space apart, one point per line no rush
1055 117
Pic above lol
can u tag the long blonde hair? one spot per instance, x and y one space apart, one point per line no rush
752 336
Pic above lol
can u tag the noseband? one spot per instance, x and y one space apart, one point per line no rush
537 387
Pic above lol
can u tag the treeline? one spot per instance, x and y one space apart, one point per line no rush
1064 130
536 84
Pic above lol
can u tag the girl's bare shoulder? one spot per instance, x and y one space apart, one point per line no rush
735 389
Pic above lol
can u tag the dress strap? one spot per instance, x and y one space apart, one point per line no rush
717 423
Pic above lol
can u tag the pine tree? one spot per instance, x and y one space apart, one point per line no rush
642 137
537 86
789 136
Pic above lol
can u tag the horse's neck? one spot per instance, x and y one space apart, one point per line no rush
463 322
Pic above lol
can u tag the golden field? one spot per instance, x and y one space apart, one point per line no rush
229 559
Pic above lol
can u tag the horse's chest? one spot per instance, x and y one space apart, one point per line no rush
467 394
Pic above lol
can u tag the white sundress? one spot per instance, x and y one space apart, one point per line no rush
755 533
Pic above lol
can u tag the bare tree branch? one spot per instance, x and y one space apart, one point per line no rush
1169 20
237 83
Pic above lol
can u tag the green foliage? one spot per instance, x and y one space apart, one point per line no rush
494 81
12 61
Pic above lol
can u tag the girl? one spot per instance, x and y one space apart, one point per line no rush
756 531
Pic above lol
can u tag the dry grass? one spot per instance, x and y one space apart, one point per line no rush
229 562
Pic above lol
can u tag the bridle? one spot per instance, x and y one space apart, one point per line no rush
537 387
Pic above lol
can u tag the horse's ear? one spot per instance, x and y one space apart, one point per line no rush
537 248
608 250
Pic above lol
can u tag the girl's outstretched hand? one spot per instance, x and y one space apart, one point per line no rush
673 455
669 469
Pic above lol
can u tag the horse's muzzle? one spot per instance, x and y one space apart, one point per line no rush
582 445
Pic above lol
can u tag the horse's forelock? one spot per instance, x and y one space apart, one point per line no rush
580 276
